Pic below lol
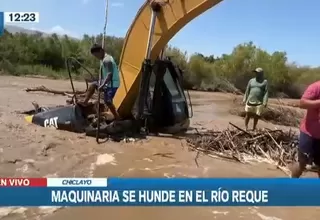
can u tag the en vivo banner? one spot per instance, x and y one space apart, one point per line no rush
158 192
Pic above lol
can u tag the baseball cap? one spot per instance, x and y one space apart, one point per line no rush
258 70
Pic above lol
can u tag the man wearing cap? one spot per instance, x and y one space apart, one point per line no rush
255 98
110 79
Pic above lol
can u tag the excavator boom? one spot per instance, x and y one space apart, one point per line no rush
172 17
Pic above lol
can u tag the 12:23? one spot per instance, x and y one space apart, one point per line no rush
22 17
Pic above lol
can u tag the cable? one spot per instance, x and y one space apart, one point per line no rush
105 24
100 74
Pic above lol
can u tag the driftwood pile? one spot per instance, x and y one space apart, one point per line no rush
279 114
276 147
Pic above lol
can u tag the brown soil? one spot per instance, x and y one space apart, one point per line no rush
31 151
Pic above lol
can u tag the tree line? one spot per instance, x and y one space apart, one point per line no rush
36 54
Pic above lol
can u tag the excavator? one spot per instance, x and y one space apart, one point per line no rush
151 95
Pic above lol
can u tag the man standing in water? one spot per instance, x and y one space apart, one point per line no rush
309 140
255 98
110 80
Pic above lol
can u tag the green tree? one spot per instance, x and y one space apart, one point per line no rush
22 54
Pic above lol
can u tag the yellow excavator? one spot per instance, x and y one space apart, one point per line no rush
151 94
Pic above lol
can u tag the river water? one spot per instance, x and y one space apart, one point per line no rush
31 151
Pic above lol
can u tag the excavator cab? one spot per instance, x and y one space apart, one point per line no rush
162 105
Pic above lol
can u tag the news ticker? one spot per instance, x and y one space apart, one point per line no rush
159 192
17 18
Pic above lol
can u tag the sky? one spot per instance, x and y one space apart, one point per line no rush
285 25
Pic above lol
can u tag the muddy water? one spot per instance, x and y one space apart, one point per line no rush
27 150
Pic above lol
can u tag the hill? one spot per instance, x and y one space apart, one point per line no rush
15 29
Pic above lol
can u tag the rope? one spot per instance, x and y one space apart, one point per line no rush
105 24
100 72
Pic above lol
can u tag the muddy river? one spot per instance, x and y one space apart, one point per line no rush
30 151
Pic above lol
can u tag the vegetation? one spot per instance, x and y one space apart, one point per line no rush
25 54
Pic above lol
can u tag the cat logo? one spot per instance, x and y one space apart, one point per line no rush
51 122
